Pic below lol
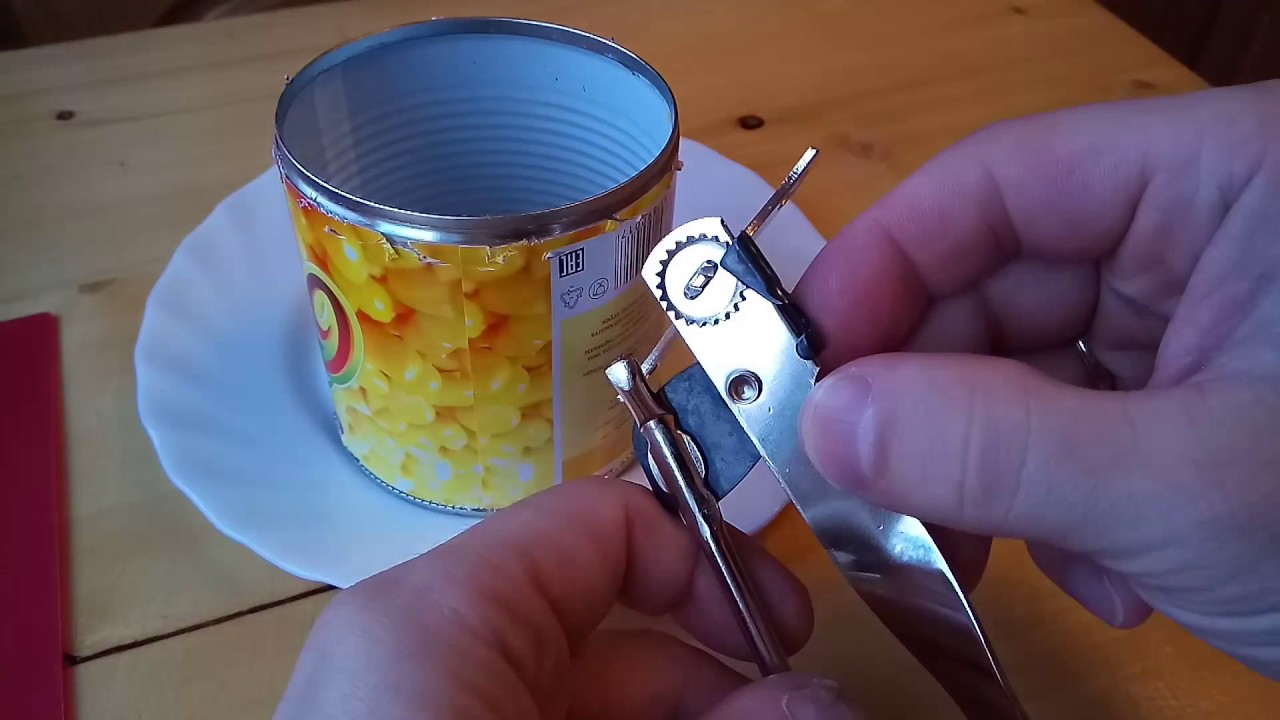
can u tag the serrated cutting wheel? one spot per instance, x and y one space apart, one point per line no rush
692 285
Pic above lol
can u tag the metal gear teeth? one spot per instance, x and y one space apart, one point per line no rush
738 296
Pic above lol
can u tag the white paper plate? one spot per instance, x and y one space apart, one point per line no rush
234 398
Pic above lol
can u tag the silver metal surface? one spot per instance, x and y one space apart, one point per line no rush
888 558
782 195
677 462
704 296
743 387
655 356
410 225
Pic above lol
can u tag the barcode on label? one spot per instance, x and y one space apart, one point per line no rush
638 240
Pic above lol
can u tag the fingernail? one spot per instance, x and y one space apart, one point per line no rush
818 701
1113 602
830 424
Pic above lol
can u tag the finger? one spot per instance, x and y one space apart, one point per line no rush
718 629
533 581
644 674
1018 313
1106 594
1025 306
789 696
967 554
1100 183
989 446
1064 364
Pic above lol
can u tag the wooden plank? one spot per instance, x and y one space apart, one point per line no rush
143 559
163 124
167 123
1066 664
237 669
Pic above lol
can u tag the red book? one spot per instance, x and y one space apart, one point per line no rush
33 639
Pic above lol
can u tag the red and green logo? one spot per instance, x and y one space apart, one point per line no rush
341 343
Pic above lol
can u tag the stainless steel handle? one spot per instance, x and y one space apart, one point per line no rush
751 350
677 462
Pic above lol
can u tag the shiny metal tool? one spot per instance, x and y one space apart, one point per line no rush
682 490
756 352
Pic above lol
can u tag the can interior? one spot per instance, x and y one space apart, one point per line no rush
476 125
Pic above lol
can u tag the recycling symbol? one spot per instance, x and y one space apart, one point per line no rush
569 298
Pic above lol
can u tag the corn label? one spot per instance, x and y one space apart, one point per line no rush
470 377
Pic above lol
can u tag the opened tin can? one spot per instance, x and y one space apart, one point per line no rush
473 198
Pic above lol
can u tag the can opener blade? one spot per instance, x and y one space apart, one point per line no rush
758 348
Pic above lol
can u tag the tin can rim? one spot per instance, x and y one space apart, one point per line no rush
474 230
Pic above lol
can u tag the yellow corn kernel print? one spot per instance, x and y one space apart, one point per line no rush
453 400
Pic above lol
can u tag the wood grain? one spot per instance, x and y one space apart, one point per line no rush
1066 664
143 560
157 127
235 670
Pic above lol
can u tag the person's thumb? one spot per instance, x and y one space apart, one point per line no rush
789 696
985 445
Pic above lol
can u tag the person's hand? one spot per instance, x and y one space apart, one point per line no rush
950 308
500 624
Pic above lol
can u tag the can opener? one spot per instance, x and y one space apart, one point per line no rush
755 353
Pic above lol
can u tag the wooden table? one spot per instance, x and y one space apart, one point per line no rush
111 150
